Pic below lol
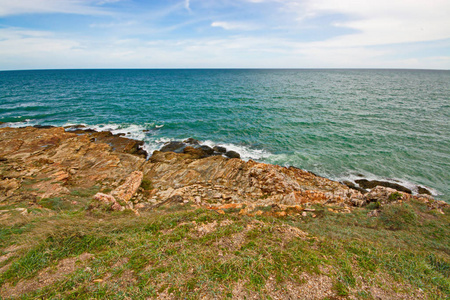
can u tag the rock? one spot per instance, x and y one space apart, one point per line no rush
108 201
195 153
353 186
173 146
104 198
369 184
386 195
423 191
374 213
207 149
220 149
126 191
8 187
192 141
43 126
232 154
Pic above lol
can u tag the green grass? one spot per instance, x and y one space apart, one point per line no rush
166 251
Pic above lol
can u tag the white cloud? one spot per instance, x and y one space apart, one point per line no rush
382 21
187 5
234 25
17 7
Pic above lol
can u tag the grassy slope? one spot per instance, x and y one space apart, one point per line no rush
188 252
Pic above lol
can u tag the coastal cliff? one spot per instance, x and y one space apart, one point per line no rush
55 173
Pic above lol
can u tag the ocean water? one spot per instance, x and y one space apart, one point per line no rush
341 124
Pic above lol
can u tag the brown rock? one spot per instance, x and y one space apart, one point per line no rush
126 191
104 198
385 195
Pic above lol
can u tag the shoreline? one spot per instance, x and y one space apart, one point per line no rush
357 182
192 171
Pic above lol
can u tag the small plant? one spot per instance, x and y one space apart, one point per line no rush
395 196
374 205
397 217
147 184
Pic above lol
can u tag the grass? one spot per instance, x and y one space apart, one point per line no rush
168 251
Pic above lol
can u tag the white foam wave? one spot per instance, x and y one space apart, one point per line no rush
27 122
245 152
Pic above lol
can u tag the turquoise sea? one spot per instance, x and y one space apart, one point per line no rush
341 124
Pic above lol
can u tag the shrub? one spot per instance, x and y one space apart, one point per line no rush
397 217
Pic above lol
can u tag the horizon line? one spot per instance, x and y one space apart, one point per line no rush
99 69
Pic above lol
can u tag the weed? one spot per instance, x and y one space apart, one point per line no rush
146 184
397 217
395 196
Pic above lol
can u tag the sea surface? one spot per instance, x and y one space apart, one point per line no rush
341 124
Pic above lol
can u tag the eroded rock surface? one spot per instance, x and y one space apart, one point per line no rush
43 163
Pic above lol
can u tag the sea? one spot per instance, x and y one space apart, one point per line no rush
341 124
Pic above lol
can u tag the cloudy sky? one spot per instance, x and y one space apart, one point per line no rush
46 34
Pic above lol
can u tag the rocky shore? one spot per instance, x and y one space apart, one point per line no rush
86 214
41 163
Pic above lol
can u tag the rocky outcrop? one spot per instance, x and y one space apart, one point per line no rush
40 163
127 190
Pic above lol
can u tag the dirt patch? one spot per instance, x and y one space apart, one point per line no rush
312 287
385 287
289 232
46 277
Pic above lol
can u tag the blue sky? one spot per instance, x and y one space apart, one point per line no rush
46 34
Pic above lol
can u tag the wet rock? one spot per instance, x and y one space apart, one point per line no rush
220 149
174 146
232 154
423 191
354 186
370 184
207 149
195 153
43 126
73 127
192 141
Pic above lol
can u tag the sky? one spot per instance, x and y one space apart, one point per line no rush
73 34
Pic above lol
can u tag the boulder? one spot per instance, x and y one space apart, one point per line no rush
207 149
108 201
195 153
232 154
192 141
220 149
127 190
174 146
386 195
